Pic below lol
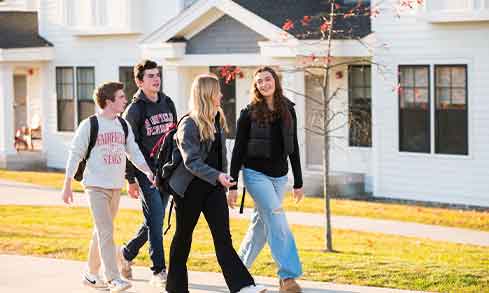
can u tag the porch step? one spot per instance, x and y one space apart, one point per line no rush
25 161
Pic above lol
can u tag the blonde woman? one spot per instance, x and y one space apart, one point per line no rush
199 184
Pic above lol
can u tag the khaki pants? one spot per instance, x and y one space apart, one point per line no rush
104 204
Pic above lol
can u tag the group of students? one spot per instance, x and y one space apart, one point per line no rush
266 138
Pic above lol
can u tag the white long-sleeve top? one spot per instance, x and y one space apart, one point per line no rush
106 165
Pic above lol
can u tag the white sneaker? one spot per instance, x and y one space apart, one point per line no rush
119 285
158 280
253 289
94 281
126 270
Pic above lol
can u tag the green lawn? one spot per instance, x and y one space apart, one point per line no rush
362 258
435 216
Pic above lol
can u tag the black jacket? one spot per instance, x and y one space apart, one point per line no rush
266 149
149 121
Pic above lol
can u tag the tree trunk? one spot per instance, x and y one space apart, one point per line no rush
326 150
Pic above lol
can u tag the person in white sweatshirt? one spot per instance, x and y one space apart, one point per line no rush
103 179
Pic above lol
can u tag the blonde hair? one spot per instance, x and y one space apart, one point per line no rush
204 89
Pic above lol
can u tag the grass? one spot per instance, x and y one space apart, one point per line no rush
340 207
46 179
361 258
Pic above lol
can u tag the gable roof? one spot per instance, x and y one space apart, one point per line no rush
203 13
19 29
278 12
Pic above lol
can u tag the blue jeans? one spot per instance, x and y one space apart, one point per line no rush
269 224
154 205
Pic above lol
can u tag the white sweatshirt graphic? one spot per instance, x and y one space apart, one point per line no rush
107 163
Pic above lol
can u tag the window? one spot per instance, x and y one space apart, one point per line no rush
65 92
85 85
126 76
451 119
70 112
228 102
414 109
360 102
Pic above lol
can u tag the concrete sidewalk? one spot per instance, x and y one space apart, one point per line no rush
13 193
25 274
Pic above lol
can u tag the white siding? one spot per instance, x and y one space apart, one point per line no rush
431 177
106 53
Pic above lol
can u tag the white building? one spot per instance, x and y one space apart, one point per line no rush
427 141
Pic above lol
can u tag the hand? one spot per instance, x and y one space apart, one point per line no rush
133 190
67 195
226 180
298 194
232 198
151 178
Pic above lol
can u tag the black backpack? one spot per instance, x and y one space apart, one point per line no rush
167 157
92 141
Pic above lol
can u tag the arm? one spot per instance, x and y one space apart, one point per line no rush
135 156
295 158
188 142
78 150
132 115
240 145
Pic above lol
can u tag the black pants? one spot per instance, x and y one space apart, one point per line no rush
211 201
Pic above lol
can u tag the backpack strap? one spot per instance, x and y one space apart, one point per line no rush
169 216
157 145
124 127
241 207
93 135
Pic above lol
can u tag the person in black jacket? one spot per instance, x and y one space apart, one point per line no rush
266 137
198 185
150 114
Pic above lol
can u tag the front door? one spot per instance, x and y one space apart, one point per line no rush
20 101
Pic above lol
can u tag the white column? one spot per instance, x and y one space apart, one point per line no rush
6 110
173 86
48 102
293 84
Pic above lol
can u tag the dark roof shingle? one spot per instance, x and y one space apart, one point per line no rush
18 29
279 11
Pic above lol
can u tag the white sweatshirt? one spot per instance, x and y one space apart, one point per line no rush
107 163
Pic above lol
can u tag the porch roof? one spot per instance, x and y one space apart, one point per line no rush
19 29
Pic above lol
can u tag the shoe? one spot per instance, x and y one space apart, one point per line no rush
253 289
126 270
119 285
289 286
94 281
158 280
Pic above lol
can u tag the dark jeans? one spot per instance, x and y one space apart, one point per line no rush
154 205
211 201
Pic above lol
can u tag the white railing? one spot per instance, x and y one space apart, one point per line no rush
457 10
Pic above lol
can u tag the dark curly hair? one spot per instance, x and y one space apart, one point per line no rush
141 67
259 109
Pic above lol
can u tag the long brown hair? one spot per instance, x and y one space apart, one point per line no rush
259 109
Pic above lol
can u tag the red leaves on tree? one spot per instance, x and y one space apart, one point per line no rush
325 26
288 25
306 20
230 73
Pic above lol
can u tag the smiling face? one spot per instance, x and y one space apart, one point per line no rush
151 82
265 83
